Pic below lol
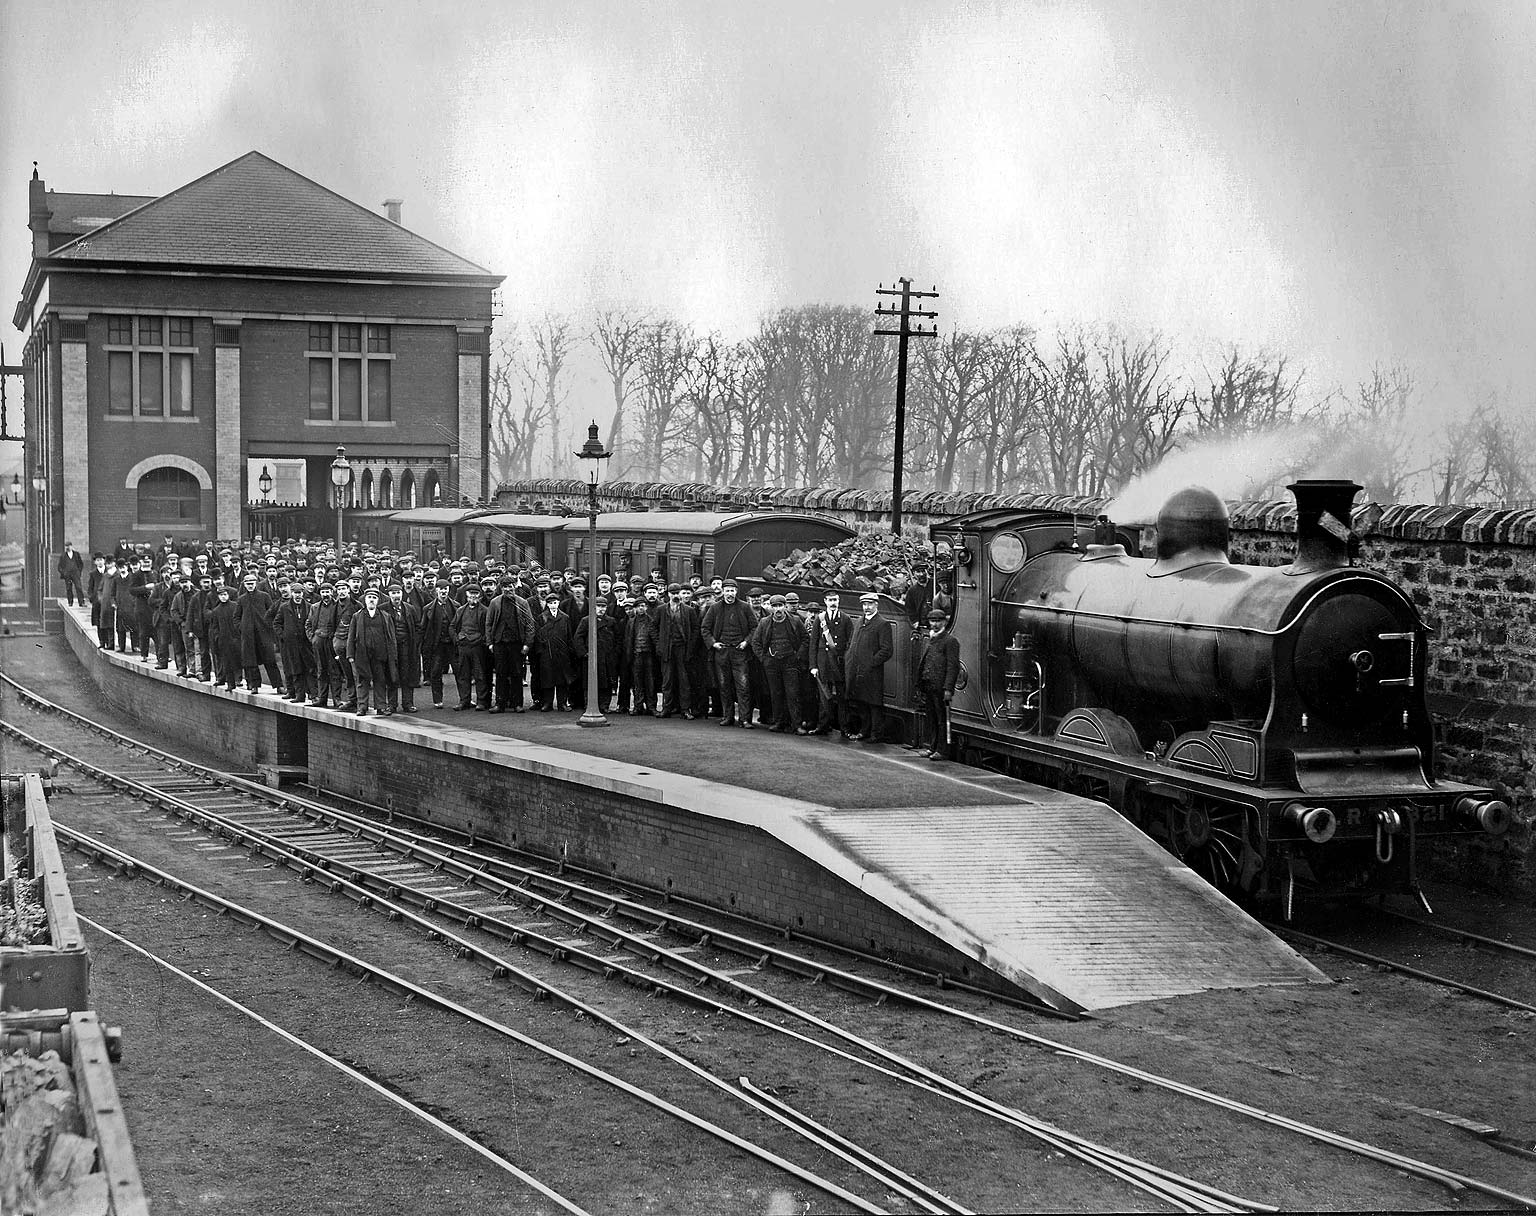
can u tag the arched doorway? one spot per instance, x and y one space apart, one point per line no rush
431 490
386 489
365 490
407 490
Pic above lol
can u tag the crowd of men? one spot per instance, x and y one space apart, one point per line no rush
363 632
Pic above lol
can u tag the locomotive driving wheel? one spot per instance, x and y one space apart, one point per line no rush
1219 841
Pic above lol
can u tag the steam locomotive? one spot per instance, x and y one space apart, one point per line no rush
1269 725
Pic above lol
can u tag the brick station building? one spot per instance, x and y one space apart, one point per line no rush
252 320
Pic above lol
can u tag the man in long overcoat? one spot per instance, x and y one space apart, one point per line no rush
258 638
553 644
869 649
293 641
407 618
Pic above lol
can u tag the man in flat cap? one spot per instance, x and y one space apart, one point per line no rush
938 670
780 644
869 649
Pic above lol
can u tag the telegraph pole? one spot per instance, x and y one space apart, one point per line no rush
906 312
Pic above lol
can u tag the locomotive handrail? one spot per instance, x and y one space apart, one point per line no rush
1250 630
1126 618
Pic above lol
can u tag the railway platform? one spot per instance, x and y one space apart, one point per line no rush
982 876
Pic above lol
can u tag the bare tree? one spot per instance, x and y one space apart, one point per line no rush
1247 393
516 414
1067 413
1375 441
665 352
1006 411
545 365
617 335
952 376
1138 423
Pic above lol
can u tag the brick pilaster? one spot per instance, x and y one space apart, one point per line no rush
471 453
226 442
74 449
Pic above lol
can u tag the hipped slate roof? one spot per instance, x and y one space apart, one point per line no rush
74 214
256 213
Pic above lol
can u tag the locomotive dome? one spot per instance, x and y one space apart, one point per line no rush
1193 521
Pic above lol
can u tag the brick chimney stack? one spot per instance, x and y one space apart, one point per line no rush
392 209
38 214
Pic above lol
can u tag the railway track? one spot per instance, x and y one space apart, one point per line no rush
416 891
351 841
1416 971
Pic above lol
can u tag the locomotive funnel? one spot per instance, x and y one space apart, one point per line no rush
1192 530
1323 513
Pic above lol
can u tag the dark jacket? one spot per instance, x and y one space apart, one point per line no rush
372 646
869 648
253 627
679 630
71 564
728 624
609 646
792 632
829 647
468 628
553 647
407 618
437 626
938 662
509 621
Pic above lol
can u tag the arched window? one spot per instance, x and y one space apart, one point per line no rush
407 490
431 491
386 489
365 490
170 495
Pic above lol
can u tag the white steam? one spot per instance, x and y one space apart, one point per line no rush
1247 466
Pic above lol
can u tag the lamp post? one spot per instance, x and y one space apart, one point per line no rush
594 451
40 485
264 484
341 478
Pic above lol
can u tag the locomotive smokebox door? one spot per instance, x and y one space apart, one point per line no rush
1352 654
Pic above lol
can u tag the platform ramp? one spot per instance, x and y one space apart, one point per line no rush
1061 896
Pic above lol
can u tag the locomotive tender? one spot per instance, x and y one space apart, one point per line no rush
1266 724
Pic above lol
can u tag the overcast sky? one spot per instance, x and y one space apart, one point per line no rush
1347 183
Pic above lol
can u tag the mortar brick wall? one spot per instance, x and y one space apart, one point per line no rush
1471 571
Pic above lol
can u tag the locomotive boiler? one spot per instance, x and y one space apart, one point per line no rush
1268 724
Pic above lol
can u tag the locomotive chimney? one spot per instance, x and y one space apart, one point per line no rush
1323 513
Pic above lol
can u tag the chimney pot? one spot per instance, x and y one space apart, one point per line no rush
392 209
1324 512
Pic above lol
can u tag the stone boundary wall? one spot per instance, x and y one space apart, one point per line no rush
1470 570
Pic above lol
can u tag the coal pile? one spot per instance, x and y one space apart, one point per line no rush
867 562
